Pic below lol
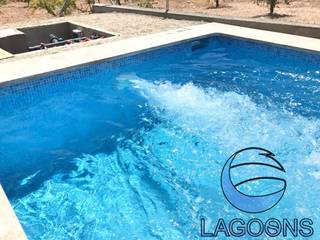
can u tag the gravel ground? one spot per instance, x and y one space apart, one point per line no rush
123 24
297 11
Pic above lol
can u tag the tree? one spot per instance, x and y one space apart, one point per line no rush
272 4
213 3
54 7
217 3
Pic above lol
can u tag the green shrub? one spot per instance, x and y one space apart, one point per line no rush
53 6
146 3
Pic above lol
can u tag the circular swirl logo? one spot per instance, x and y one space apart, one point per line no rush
252 203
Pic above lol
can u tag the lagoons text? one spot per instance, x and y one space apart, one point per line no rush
255 227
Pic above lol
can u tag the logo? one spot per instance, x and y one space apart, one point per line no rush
252 203
249 184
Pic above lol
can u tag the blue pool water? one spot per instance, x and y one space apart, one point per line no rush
134 148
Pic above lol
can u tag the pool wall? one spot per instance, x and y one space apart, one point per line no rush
42 65
13 88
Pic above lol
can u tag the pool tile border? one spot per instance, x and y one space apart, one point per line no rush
42 65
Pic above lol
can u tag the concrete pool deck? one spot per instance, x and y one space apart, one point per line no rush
41 65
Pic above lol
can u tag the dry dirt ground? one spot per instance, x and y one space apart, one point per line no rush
301 11
14 12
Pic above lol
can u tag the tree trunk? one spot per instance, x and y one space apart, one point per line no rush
64 8
217 3
167 6
271 8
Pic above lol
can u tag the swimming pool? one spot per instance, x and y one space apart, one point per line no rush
133 148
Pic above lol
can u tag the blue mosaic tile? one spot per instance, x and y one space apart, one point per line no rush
77 73
272 49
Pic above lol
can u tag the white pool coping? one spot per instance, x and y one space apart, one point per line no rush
28 68
4 54
10 228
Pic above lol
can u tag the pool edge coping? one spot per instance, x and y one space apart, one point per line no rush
24 69
10 227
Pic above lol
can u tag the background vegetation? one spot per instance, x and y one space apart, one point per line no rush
54 7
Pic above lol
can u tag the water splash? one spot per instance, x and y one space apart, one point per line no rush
158 183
